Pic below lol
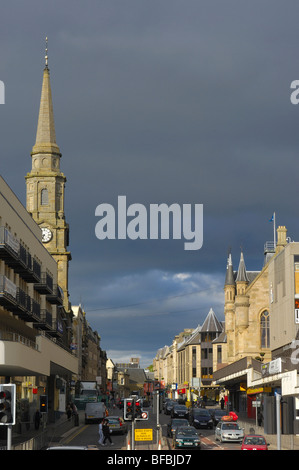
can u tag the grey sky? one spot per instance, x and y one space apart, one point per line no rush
161 101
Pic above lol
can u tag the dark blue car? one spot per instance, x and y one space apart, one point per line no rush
201 418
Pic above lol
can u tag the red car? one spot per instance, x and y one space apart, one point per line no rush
254 442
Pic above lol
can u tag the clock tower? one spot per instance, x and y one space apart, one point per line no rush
45 186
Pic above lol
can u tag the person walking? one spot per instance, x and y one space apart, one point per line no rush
106 432
101 434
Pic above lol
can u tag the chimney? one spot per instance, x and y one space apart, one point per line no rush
281 238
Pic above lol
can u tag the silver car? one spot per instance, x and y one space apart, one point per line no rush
228 431
117 425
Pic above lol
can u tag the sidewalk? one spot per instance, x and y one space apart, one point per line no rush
51 433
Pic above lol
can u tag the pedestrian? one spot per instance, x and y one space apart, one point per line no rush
106 432
75 414
222 403
69 411
37 418
101 434
260 417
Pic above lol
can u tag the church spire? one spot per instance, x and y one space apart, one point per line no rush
45 136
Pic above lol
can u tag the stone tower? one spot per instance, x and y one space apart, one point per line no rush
229 306
45 186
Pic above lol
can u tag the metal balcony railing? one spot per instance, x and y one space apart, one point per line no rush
45 285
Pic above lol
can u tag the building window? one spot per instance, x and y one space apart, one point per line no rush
44 199
265 329
219 354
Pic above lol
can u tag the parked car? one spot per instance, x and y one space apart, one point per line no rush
254 442
200 417
167 400
186 437
217 415
169 406
174 424
228 431
117 425
180 411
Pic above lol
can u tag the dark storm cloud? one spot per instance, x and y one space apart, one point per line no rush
185 102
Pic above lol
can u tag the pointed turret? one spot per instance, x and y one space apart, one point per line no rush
242 276
229 277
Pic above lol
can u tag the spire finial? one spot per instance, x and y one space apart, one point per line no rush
46 56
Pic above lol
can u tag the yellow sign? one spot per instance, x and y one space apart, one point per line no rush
253 391
143 434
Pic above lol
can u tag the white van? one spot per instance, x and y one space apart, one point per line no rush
94 412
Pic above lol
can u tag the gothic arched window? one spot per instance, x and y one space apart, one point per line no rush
265 329
44 199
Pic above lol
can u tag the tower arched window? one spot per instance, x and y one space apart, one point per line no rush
265 329
44 198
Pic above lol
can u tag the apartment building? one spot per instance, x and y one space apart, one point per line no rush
34 352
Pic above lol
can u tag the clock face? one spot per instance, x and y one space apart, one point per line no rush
46 235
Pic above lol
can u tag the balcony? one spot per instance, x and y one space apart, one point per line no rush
57 296
57 329
9 247
45 285
8 293
28 268
15 300
17 257
45 321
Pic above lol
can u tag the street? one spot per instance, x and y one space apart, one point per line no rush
88 435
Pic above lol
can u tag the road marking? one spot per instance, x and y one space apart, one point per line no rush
211 444
67 441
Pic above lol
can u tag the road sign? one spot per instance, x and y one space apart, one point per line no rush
143 434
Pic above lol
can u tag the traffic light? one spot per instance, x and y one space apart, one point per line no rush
139 414
137 409
43 404
128 409
7 404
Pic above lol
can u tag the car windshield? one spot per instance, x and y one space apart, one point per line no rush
180 407
187 431
201 413
254 440
231 426
113 420
179 422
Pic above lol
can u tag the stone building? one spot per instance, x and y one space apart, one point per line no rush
247 341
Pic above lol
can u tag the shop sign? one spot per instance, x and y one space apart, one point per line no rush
253 391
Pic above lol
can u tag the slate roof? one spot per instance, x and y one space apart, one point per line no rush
211 323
